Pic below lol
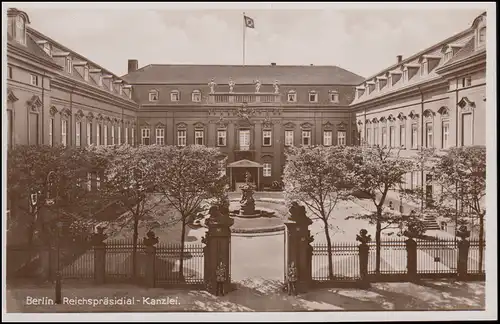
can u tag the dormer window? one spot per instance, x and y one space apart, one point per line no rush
100 81
448 54
47 47
313 96
196 96
153 95
389 81
370 86
120 89
69 65
405 75
20 31
292 96
175 96
334 96
482 35
86 73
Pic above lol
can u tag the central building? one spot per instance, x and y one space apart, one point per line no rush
251 113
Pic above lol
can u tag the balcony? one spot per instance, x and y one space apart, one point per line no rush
240 98
244 153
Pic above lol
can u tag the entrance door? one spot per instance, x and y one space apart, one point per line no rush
428 190
244 139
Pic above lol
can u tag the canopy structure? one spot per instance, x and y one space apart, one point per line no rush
245 164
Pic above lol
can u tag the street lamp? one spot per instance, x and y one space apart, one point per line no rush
58 272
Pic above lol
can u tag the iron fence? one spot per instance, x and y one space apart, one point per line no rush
437 256
345 262
168 264
392 257
474 261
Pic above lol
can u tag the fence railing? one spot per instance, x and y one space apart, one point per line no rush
435 258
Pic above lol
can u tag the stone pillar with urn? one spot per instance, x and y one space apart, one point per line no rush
299 249
217 248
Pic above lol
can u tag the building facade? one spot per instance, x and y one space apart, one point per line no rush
435 98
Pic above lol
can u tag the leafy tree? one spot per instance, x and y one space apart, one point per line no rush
377 171
460 175
44 182
129 177
187 178
319 178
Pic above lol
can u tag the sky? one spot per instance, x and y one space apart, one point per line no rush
361 41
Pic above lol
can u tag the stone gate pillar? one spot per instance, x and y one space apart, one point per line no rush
218 248
299 249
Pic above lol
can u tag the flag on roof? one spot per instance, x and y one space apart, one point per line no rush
249 23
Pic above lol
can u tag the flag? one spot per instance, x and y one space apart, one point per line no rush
249 22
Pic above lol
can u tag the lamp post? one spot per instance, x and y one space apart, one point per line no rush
58 272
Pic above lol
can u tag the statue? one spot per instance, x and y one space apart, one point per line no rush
212 85
247 201
231 85
248 177
297 213
257 86
151 239
276 86
363 237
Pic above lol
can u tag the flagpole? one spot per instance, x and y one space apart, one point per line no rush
244 32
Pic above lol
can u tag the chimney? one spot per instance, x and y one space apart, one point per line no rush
311 64
133 65
400 58
273 64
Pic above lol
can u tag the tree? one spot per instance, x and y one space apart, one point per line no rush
319 178
44 182
460 174
129 177
378 171
187 177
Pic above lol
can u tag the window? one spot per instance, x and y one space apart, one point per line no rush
89 133
198 136
112 135
292 96
97 181
145 134
445 136
47 48
414 136
392 136
313 96
120 89
244 139
174 96
126 135
389 81
64 132
327 138
467 129
341 138
369 136
402 135
289 138
160 136
306 138
405 75
20 32
181 137
133 137
221 138
266 171
34 80
153 95
384 136
482 35
466 81
196 96
69 65
414 180
78 133
98 135
9 73
105 135
423 68
448 55
100 81
428 135
119 135
51 131
375 135
86 73
266 136
334 96
222 168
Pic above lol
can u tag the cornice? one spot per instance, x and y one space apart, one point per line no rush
21 55
471 61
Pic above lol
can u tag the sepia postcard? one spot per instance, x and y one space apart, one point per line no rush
249 161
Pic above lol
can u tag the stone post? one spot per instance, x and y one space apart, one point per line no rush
149 243
218 247
463 251
99 256
299 247
411 252
364 250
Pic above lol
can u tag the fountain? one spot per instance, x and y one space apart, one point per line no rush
247 202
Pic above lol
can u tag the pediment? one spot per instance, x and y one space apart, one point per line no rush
306 125
53 110
34 103
90 116
160 125
11 97
99 117
327 125
181 125
199 125
444 111
413 115
65 112
341 125
401 116
466 104
360 122
374 120
79 115
428 113
289 125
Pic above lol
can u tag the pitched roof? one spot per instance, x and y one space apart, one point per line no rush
244 164
242 74
31 47
464 52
